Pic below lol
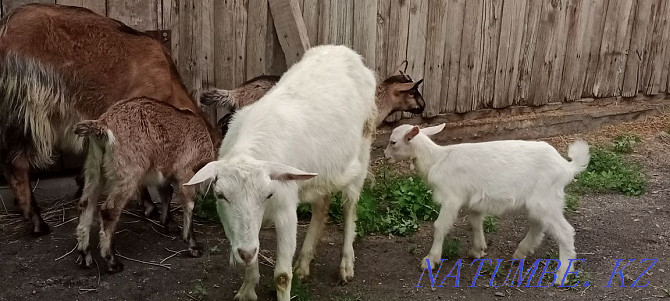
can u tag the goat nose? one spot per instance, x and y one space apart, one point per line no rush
246 255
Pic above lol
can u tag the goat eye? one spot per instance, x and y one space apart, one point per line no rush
221 196
392 142
269 196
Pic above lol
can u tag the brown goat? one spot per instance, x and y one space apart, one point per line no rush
60 65
396 93
139 141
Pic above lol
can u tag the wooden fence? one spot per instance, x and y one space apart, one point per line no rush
473 54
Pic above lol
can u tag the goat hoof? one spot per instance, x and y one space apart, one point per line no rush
40 227
84 261
114 267
477 253
195 252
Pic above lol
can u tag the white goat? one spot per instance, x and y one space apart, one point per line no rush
319 118
494 178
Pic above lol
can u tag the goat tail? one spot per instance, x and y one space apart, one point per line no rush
578 151
218 97
89 128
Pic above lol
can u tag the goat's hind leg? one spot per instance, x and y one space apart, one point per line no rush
186 195
531 241
350 196
93 184
476 220
564 234
17 173
314 232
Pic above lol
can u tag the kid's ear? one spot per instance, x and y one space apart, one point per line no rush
412 133
430 131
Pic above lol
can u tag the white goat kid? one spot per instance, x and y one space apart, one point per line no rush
319 118
494 178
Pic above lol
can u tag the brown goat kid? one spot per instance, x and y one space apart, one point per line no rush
139 141
396 93
60 65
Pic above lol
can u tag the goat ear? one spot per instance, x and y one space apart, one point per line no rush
281 172
412 133
404 87
430 131
208 172
417 84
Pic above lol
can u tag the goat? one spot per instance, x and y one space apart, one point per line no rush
135 141
494 178
322 120
63 64
396 93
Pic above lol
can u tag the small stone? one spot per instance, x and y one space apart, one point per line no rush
499 294
34 292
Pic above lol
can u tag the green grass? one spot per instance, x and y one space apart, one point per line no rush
205 208
609 171
491 224
199 292
299 291
624 144
396 204
572 202
451 248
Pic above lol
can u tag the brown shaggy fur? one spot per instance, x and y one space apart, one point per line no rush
60 65
135 141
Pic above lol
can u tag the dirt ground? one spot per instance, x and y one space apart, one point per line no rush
609 227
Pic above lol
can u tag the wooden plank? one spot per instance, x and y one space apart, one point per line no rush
636 52
224 38
188 21
416 41
397 36
654 69
139 14
509 52
345 22
492 11
275 60
383 15
240 12
437 29
613 49
290 29
257 29
576 53
452 54
310 15
663 87
327 22
9 5
97 6
470 65
550 41
528 42
165 14
397 40
594 35
365 30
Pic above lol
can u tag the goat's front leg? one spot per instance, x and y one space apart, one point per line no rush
286 224
443 224
248 290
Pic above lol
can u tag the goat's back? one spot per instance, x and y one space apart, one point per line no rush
508 169
100 60
314 118
150 134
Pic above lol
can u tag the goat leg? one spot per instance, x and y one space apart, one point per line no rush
17 172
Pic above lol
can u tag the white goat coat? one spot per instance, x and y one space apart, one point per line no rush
299 125
499 176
